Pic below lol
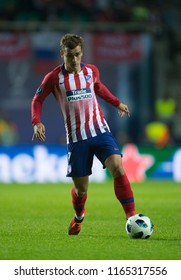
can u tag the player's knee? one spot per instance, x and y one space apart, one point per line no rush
117 171
81 193
80 190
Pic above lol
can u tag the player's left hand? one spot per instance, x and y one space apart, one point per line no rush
123 110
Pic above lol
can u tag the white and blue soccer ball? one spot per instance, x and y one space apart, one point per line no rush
139 226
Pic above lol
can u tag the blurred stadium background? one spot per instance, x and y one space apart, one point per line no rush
137 47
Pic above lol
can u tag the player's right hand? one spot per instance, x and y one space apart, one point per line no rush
39 132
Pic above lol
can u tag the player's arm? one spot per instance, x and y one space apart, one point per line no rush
36 108
102 91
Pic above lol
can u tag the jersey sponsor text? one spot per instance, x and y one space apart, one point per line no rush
78 94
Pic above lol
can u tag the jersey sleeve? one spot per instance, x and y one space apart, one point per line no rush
102 91
41 94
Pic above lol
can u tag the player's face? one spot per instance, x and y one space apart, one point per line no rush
72 59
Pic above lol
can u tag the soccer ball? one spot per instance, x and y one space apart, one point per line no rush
139 226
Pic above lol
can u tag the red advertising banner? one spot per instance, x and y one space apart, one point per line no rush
13 46
117 47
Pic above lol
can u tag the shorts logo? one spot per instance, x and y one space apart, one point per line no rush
78 94
69 169
69 155
39 91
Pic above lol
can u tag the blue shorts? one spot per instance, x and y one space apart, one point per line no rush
81 153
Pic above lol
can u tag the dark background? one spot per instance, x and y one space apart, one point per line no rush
29 47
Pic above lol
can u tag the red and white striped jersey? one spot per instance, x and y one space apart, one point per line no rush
76 95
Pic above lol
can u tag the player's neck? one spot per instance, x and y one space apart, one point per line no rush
73 71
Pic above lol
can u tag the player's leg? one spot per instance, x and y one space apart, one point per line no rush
79 168
79 197
122 185
107 151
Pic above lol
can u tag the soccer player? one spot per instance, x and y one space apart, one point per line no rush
75 86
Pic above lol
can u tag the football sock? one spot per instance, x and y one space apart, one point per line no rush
78 204
124 194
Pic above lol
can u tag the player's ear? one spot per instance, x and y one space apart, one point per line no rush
81 55
61 53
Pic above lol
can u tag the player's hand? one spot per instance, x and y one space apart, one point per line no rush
123 110
39 132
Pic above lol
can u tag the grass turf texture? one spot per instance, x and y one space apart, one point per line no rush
34 220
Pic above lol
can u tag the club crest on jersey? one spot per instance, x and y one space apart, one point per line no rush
39 91
87 77
78 94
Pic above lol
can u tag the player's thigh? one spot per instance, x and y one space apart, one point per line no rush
105 146
80 159
114 165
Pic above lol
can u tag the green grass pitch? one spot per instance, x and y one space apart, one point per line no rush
34 219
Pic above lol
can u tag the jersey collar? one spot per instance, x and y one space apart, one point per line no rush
63 67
